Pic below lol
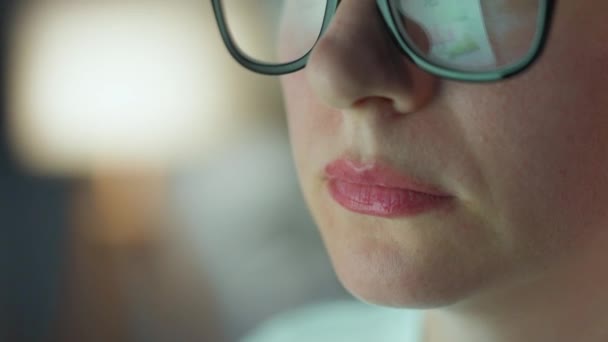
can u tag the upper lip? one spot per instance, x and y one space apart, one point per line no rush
377 173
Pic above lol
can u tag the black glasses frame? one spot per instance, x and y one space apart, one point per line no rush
388 11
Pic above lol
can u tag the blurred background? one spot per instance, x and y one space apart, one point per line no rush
147 191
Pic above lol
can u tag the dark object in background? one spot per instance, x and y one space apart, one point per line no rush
33 223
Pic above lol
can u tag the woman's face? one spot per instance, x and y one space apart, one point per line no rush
522 164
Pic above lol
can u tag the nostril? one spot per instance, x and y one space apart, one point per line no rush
383 106
373 100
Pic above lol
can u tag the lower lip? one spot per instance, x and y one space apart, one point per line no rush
383 201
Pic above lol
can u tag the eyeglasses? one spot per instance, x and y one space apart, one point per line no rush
465 40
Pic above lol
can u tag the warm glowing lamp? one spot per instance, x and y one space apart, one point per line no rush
107 84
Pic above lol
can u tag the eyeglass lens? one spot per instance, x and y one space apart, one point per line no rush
461 35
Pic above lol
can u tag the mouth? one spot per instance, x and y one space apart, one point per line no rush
377 189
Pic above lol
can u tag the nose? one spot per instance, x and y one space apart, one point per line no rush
356 63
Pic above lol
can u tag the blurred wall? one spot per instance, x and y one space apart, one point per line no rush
33 218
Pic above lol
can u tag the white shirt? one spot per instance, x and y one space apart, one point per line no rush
346 321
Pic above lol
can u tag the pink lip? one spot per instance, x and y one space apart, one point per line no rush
379 190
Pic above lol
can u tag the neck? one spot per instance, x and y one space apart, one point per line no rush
567 303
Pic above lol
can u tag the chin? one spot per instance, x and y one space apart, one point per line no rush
383 274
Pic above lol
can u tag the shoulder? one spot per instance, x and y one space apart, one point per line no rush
350 321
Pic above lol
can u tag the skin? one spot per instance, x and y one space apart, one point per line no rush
520 256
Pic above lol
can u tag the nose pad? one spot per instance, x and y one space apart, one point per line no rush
357 61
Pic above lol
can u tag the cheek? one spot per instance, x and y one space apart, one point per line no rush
511 27
297 102
543 151
315 132
311 125
299 27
